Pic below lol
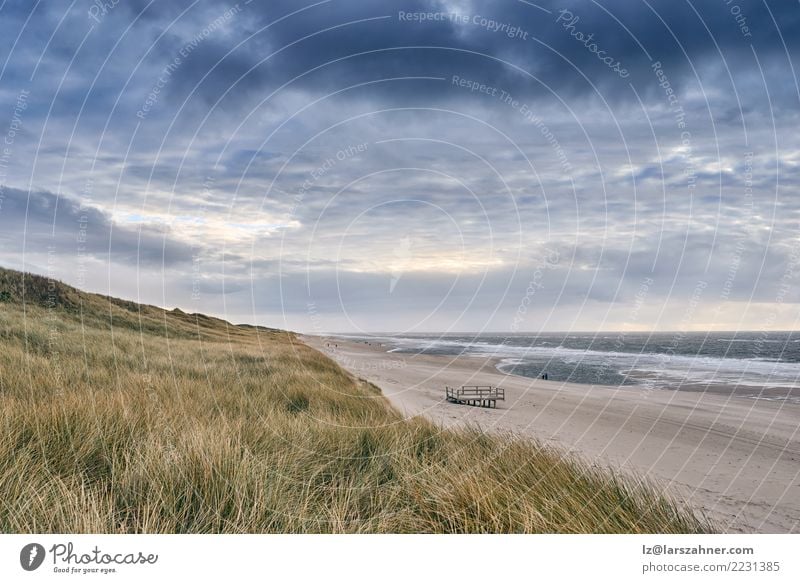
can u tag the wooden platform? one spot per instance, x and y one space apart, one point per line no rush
476 395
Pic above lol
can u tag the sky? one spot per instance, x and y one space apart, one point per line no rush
412 165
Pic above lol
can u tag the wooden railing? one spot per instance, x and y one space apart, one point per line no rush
476 395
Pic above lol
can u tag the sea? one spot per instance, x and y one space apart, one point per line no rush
755 365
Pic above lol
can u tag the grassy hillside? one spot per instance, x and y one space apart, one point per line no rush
116 417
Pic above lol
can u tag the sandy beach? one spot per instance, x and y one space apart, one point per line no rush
737 460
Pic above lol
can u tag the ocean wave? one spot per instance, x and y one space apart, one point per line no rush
756 340
668 367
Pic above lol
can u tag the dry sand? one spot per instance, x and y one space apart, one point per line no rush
735 459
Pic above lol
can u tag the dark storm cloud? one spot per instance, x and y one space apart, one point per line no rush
39 222
371 41
339 44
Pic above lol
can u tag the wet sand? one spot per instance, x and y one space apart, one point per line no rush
735 459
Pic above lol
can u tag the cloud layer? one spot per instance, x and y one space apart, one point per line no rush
412 165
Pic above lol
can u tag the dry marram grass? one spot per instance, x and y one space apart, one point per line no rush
123 418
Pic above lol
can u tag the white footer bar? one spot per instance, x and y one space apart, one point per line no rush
409 558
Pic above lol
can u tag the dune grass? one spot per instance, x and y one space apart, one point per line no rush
121 418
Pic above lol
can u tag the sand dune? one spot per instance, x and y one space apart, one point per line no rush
736 459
